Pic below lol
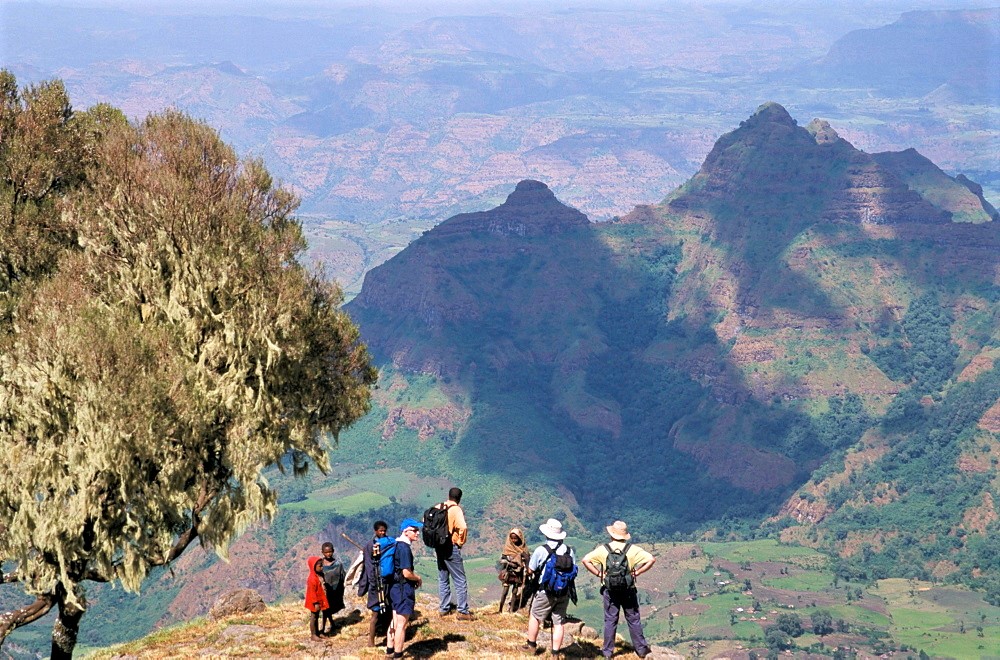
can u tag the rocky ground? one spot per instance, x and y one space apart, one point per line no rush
282 631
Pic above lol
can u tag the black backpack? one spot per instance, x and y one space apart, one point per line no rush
436 533
617 573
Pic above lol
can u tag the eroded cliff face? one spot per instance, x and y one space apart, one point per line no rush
709 332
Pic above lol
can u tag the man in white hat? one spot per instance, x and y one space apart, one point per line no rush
617 563
544 604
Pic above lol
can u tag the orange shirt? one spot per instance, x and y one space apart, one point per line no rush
456 523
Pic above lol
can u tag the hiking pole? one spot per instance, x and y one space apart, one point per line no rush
351 541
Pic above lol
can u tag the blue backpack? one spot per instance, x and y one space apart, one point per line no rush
558 573
387 557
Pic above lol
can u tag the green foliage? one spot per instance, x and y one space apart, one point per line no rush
822 622
933 494
790 624
45 151
926 355
777 639
163 364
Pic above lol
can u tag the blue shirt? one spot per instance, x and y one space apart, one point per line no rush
404 555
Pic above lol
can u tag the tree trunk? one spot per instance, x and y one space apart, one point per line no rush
67 628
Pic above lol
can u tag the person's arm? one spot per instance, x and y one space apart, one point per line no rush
459 530
592 563
411 576
533 561
643 562
645 566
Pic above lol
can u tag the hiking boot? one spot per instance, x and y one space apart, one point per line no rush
465 616
532 649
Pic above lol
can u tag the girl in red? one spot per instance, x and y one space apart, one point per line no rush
315 595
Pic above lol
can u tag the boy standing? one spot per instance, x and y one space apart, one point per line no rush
618 563
333 582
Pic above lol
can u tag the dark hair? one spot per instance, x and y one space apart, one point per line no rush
380 523
328 545
455 494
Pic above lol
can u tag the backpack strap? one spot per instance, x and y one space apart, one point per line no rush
551 550
444 507
624 551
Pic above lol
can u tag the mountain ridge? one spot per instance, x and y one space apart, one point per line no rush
740 335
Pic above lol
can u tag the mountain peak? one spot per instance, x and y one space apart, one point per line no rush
528 186
822 131
530 210
530 193
771 163
771 112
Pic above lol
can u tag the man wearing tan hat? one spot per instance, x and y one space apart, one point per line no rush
617 563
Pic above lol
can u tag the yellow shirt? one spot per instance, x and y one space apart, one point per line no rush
636 556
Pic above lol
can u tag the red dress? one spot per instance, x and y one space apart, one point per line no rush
315 593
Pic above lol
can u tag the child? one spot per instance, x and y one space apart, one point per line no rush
333 582
513 568
315 595
371 584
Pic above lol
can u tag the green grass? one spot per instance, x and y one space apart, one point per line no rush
759 551
346 506
421 393
859 615
810 581
938 634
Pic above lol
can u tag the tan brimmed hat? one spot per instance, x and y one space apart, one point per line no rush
552 530
619 531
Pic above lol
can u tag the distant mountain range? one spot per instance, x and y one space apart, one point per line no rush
933 54
386 122
719 358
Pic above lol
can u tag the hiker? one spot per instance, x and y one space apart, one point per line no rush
449 555
315 596
513 568
404 584
333 583
617 563
555 565
371 584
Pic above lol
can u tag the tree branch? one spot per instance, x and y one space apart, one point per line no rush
185 539
10 621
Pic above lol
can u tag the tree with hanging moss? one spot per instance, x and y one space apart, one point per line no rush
175 349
